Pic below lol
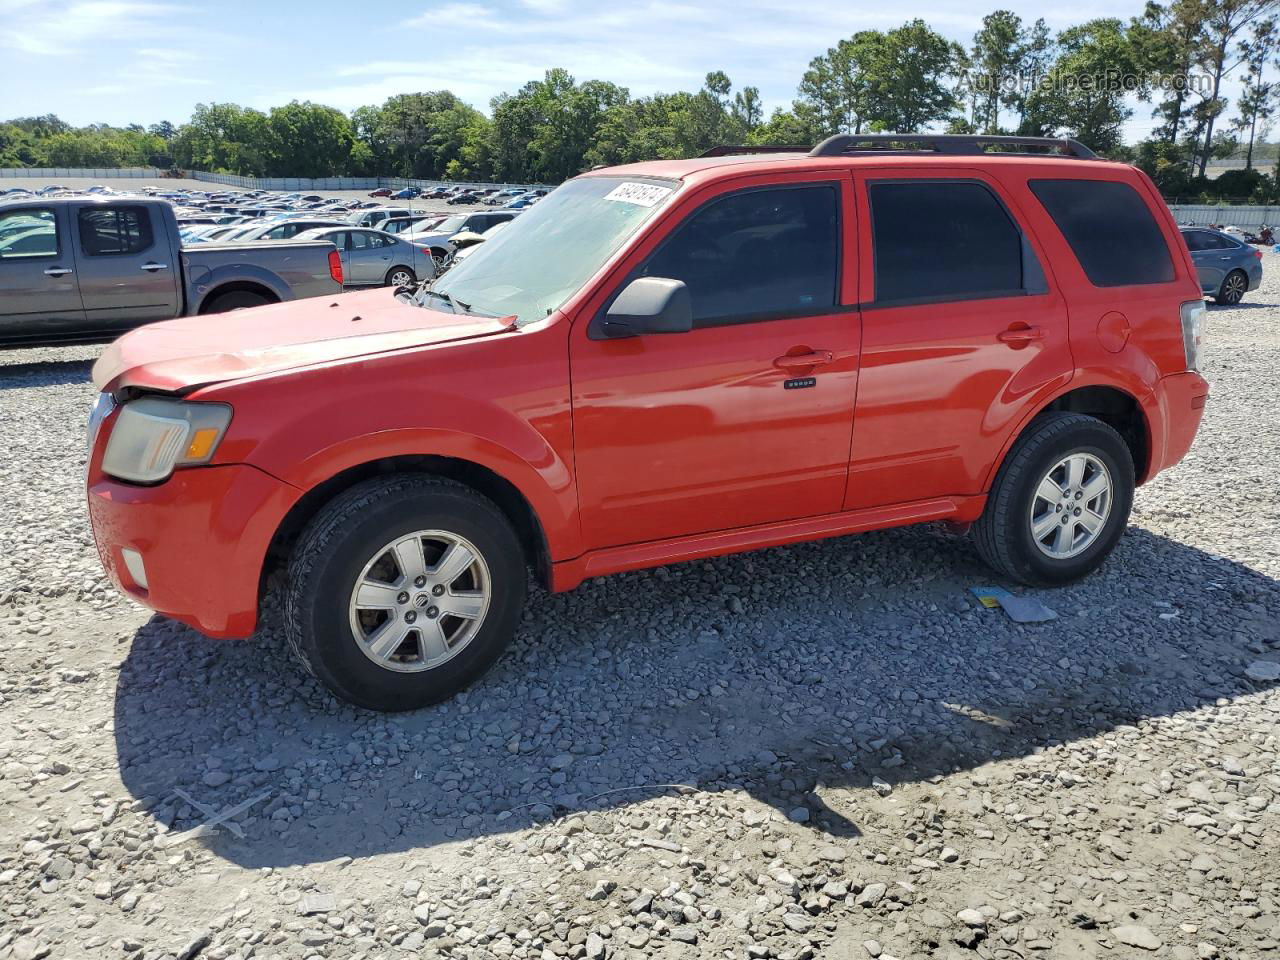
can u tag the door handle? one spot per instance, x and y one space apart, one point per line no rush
58 271
1020 335
153 267
814 358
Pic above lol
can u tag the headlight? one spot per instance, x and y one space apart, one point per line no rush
153 435
1193 317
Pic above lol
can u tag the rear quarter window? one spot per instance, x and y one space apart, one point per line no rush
1109 228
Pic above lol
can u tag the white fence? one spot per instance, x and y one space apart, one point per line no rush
1226 215
96 173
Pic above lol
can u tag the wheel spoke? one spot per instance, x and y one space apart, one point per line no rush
431 640
1041 528
373 595
1092 522
388 638
455 562
1095 487
1075 471
1062 537
409 558
468 604
1049 491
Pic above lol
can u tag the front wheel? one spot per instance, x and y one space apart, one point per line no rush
1234 286
1060 502
403 591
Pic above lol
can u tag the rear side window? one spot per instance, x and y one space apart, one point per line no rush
937 241
114 231
756 255
1109 228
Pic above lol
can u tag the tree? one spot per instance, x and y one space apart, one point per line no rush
836 88
1214 54
307 140
908 78
994 67
1083 95
1258 99
747 109
797 127
223 137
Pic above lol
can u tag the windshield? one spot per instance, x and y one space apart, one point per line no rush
547 253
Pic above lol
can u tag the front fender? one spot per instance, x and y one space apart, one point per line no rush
307 426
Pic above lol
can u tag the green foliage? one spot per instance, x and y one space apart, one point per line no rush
907 79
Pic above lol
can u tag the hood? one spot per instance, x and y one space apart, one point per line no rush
181 355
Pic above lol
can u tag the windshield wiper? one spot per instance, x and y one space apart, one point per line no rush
453 304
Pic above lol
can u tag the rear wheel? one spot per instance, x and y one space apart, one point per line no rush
1234 286
403 591
400 277
1060 502
235 300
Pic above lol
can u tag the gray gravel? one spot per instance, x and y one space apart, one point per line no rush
823 750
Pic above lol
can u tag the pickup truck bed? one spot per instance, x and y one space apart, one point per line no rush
78 269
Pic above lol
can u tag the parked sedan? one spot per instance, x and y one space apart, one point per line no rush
408 193
381 192
1228 268
374 258
287 229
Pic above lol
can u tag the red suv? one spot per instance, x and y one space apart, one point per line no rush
660 362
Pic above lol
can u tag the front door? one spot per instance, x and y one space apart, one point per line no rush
126 268
37 275
746 419
962 331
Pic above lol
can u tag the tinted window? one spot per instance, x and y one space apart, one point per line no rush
112 231
1109 228
942 241
756 254
28 233
1214 241
1195 240
359 241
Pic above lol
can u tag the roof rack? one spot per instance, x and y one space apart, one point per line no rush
957 144
730 150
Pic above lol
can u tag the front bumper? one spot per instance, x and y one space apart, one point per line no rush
201 537
1180 399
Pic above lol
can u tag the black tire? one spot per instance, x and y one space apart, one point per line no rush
332 553
235 300
1003 533
391 282
1234 286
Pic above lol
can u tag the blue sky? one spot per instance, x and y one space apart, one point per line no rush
117 61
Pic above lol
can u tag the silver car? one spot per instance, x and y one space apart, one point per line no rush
1228 268
286 229
374 258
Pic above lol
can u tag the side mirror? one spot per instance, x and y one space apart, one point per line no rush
648 305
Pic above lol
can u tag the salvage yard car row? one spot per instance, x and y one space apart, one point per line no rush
177 252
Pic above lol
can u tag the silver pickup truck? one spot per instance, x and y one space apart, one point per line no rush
77 269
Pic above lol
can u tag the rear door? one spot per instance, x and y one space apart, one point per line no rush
1207 256
37 274
368 258
963 331
125 268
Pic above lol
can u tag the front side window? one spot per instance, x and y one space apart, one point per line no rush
1109 228
945 240
114 231
26 233
756 254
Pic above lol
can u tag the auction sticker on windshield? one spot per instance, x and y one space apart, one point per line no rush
641 194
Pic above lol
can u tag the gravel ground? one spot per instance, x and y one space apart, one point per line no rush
823 750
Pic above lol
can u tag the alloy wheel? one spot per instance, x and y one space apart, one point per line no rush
420 600
1071 506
